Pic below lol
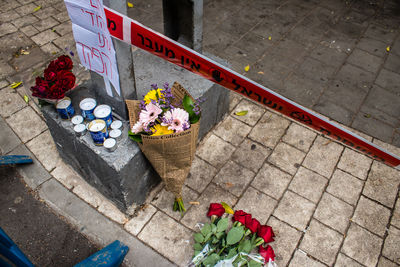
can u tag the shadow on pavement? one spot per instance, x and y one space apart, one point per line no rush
45 238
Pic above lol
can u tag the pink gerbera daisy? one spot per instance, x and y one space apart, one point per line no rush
150 114
137 128
176 119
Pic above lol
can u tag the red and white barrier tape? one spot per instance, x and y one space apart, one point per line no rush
132 32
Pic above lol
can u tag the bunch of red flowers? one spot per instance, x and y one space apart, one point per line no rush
265 234
218 245
56 81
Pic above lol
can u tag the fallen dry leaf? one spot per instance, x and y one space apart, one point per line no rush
327 143
15 85
129 4
228 184
37 8
194 203
241 113
260 72
24 52
26 98
247 68
388 48
269 38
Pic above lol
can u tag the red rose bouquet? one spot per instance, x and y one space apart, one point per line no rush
216 245
56 81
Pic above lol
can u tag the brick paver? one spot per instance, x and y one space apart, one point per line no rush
328 204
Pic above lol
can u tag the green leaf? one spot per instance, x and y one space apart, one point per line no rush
198 238
206 229
245 246
198 246
194 119
215 240
254 263
196 252
222 225
211 260
188 105
213 228
219 234
136 137
207 237
234 235
232 252
241 113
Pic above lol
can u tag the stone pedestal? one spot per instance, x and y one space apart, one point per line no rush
125 176
183 22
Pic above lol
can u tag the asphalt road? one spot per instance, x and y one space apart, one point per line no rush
45 238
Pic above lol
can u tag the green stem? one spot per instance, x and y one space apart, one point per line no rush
179 206
219 253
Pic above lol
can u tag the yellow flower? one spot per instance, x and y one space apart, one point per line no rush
161 130
152 95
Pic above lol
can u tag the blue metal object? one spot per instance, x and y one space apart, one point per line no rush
110 256
14 159
11 252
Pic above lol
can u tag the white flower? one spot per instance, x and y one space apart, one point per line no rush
176 119
137 128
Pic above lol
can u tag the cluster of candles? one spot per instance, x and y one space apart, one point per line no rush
99 122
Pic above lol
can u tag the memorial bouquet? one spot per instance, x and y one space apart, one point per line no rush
56 81
165 124
216 245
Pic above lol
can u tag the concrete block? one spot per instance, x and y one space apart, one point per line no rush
183 21
124 176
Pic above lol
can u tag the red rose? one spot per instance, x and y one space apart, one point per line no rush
216 209
37 90
42 82
240 216
267 253
52 66
64 63
56 92
252 224
40 87
50 74
266 233
65 79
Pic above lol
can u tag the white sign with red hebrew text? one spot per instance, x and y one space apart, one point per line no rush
93 40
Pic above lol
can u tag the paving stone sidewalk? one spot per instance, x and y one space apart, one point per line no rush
330 56
328 204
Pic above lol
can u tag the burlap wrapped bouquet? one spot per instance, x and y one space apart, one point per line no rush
171 154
